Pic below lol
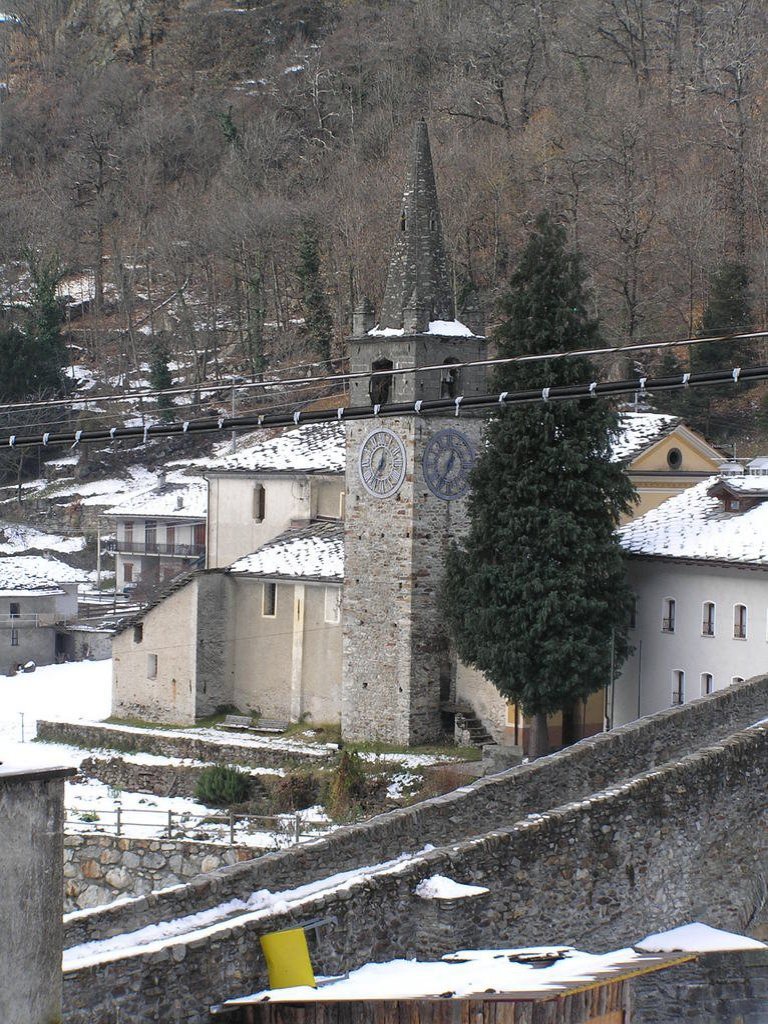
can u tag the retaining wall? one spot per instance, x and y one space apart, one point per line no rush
269 754
683 842
100 868
496 801
159 779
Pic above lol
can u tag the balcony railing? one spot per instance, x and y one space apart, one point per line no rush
708 628
740 631
32 620
668 625
140 547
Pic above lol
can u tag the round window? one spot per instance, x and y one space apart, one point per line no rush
674 458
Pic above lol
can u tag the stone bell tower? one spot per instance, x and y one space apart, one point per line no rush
405 480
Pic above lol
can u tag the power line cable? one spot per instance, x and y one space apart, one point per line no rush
640 386
395 371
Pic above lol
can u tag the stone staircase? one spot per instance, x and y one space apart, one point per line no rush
469 725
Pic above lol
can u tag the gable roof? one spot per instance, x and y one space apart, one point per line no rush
312 448
34 574
694 526
314 552
638 431
163 503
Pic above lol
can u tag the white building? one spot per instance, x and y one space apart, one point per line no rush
37 597
699 567
159 534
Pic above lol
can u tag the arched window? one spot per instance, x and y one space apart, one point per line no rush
708 619
668 615
450 379
707 683
381 384
678 687
740 621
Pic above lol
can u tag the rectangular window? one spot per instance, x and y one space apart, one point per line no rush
259 503
678 687
128 528
269 601
150 534
14 638
15 611
170 538
708 619
668 615
151 666
740 622
332 604
737 679
138 632
707 683
127 572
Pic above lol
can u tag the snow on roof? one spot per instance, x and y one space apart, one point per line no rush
638 431
314 552
445 328
169 501
696 938
694 525
313 448
33 573
545 971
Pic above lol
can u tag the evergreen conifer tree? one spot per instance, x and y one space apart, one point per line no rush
535 596
318 319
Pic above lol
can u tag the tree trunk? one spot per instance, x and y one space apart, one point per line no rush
538 737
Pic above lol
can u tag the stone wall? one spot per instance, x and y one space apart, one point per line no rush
159 779
100 868
597 873
32 814
270 754
497 801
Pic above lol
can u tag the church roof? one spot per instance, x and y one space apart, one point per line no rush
312 448
638 431
314 552
418 289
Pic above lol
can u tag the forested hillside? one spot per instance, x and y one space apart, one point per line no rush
219 166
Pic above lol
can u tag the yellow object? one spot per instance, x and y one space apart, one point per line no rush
287 958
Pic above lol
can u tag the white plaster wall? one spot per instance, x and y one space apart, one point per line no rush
169 631
321 665
326 496
645 684
232 530
263 650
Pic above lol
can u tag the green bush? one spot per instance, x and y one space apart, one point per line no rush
221 786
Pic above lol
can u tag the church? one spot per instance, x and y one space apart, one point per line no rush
325 544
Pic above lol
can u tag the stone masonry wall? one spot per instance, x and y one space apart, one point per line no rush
159 779
597 873
497 801
268 755
100 868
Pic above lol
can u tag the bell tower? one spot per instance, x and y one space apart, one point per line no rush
405 479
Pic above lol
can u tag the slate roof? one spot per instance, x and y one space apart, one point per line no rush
164 503
36 574
314 552
694 526
312 448
638 431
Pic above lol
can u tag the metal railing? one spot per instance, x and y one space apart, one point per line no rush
141 547
170 824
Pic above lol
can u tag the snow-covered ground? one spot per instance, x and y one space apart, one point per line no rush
81 691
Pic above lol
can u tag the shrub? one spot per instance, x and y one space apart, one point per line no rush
348 786
222 786
295 791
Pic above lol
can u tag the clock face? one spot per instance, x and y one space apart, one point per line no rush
382 463
447 461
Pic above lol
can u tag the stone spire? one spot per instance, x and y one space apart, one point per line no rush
418 288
